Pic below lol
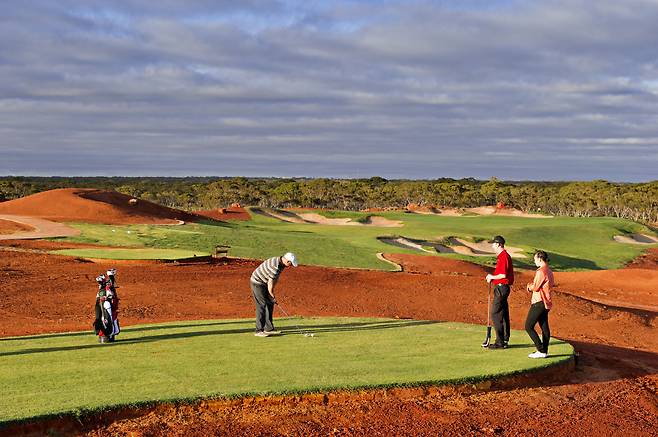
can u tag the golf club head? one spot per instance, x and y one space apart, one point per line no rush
487 340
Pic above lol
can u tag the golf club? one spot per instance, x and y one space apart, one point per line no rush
305 334
487 340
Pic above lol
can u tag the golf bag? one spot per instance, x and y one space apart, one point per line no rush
106 323
111 291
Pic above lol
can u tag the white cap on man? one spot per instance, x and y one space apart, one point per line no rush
292 258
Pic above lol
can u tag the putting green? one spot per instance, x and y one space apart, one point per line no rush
70 373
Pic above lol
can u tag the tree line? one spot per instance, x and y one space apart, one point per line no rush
634 201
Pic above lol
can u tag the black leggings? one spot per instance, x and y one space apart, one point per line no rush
538 314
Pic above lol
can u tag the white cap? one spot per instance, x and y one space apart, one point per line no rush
292 258
111 272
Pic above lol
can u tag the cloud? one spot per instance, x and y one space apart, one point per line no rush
342 88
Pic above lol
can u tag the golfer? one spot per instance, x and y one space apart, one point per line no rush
263 281
502 278
540 304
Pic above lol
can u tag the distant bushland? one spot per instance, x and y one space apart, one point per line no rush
633 201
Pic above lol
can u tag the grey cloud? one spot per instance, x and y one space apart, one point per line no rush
353 88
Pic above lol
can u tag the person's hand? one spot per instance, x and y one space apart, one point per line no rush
488 278
274 301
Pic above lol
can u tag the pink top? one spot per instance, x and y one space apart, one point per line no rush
541 286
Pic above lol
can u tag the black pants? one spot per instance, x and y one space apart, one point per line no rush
500 313
264 307
538 314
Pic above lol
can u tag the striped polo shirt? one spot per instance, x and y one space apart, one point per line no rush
269 269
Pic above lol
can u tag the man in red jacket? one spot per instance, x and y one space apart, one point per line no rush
502 278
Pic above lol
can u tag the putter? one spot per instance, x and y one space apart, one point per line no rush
487 340
305 334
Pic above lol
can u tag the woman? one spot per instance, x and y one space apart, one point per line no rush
540 304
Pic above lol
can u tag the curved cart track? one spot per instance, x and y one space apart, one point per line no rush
612 392
42 228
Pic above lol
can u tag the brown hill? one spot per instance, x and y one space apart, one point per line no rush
93 206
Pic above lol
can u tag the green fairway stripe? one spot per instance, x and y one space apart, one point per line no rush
68 372
573 243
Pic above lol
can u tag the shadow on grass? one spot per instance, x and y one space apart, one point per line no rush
356 326
124 330
563 262
217 223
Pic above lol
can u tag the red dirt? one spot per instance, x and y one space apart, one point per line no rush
93 206
648 260
230 213
612 392
9 227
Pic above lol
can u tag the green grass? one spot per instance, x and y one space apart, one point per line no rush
573 243
70 373
128 254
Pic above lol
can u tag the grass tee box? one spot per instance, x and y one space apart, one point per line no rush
70 373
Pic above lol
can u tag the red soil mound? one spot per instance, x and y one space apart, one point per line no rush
9 227
93 206
230 213
648 260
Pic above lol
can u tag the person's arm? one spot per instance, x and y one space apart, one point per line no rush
270 287
537 282
499 276
501 264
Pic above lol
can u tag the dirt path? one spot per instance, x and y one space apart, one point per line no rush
613 391
42 228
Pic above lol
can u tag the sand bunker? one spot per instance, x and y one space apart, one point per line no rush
93 206
636 239
481 210
279 214
450 245
318 219
513 212
371 220
406 243
433 210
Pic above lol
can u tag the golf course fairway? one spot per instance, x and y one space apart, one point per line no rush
70 373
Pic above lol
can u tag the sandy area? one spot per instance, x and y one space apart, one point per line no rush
454 245
636 239
319 219
492 210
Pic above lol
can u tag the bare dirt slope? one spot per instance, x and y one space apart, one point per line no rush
93 206
613 391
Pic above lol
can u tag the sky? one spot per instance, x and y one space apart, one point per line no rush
416 89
